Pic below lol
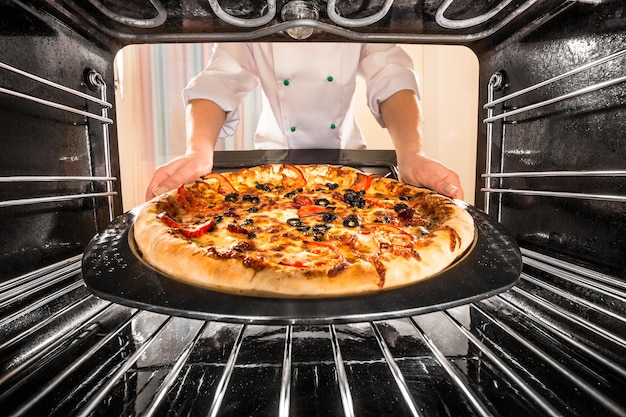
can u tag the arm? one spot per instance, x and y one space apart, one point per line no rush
402 115
203 121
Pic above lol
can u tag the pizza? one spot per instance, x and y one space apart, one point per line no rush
285 230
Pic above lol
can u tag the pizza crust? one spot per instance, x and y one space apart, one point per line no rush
183 260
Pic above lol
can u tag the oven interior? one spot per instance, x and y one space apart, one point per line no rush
551 170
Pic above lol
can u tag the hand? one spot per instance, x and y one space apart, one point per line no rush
181 170
418 169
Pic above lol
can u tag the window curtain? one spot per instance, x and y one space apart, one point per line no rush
151 115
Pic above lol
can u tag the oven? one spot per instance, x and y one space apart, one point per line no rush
551 160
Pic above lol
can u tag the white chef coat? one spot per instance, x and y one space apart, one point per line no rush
307 89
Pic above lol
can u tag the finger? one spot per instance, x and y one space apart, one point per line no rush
447 188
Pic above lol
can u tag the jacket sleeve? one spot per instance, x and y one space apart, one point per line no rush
386 70
228 77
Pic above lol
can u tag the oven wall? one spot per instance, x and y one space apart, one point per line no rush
581 134
37 140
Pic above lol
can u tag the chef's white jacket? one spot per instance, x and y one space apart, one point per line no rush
307 89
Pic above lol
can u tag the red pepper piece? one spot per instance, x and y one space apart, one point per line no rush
362 182
225 186
197 231
165 218
185 198
380 204
188 231
295 264
294 180
311 210
327 246
302 200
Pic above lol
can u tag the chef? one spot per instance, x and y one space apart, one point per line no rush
308 94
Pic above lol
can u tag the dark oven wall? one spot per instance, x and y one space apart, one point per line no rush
49 155
576 213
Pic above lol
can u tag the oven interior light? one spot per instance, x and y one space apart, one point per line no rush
296 10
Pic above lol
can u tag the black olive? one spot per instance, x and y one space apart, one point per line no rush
218 218
385 220
253 209
318 237
251 235
328 217
332 185
247 222
263 187
354 199
232 197
321 228
295 222
303 228
400 206
405 197
351 221
290 194
251 198
322 202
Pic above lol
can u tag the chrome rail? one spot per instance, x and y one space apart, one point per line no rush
576 93
55 85
396 372
342 379
492 103
94 80
560 194
228 372
54 199
52 104
285 381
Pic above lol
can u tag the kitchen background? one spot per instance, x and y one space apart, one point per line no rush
150 111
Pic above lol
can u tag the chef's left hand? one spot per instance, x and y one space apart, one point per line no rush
418 169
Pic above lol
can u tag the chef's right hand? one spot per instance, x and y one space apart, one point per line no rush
181 170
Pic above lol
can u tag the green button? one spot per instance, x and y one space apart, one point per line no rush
332 126
330 78
292 128
286 82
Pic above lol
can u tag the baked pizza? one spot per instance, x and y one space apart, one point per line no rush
286 230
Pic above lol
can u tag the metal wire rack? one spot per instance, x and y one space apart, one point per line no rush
552 345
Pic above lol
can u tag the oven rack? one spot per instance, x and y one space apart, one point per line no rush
267 24
553 345
496 83
94 81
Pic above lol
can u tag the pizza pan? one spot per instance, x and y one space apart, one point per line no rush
112 269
